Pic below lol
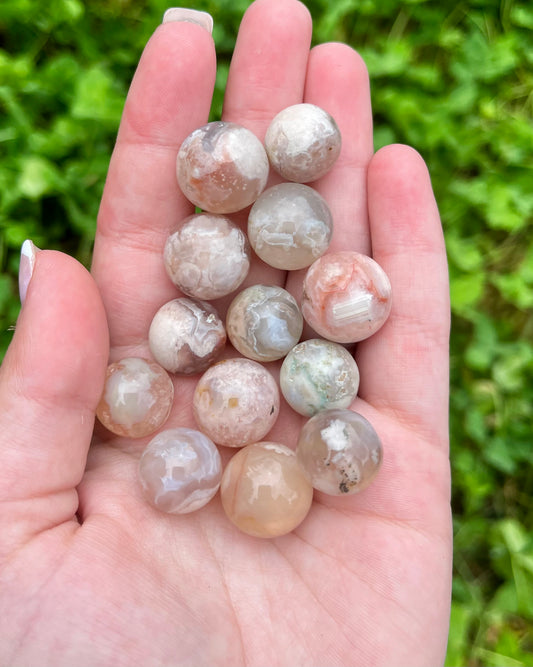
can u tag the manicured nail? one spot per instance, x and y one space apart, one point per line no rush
27 262
190 15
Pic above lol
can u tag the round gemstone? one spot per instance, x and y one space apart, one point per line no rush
180 471
222 167
186 335
346 296
264 491
264 322
318 374
340 451
236 402
137 397
303 142
207 257
289 226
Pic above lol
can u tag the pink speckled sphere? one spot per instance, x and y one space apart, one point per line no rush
137 397
207 257
180 471
236 402
346 296
264 491
222 167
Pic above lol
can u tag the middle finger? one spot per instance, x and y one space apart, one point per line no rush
267 74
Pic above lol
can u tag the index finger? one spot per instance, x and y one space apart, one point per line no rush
169 97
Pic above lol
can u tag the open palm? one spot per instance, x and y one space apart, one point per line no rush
92 575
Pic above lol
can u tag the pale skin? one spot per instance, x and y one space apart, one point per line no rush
90 574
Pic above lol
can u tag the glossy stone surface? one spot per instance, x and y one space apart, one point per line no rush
264 322
289 226
207 257
186 335
340 451
303 142
264 491
137 397
346 296
318 374
222 167
236 402
180 471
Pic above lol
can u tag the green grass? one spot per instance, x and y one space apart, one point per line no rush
453 79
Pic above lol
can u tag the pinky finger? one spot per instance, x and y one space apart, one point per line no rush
405 365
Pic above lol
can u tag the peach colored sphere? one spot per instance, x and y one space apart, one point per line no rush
137 397
264 491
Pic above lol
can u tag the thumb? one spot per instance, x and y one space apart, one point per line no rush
50 383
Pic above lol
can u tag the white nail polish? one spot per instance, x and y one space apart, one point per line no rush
190 15
27 263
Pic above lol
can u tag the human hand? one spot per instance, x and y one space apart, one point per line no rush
90 574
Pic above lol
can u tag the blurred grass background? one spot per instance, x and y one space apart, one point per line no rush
453 79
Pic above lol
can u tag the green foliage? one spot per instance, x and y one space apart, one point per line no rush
452 79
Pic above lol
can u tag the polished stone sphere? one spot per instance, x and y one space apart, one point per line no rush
180 471
318 374
264 491
339 451
346 296
222 167
264 322
186 336
303 142
289 226
236 402
137 397
207 257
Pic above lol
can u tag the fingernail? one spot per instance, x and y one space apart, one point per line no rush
191 16
27 262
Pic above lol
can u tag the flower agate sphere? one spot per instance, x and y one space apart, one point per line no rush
340 451
207 257
180 471
264 491
289 226
137 397
236 402
222 167
346 296
303 142
186 335
318 374
264 322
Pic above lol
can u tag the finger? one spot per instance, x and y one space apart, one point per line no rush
50 383
404 367
337 81
267 71
267 74
169 97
